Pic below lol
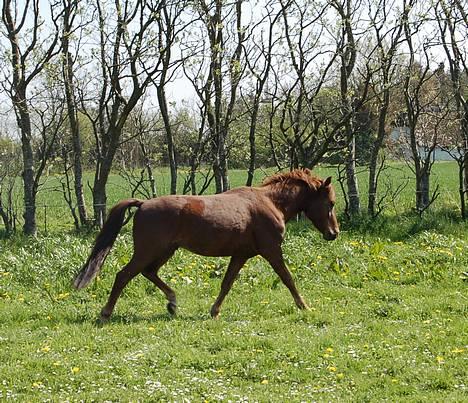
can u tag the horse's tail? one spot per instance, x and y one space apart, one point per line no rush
104 242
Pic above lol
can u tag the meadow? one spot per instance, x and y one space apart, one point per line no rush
388 317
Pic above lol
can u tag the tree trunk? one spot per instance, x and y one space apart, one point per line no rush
68 79
253 152
462 187
223 165
75 134
422 190
374 157
29 188
169 137
465 165
103 169
351 180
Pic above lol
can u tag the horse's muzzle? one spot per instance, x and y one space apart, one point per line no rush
330 235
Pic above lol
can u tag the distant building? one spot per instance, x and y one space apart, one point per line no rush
399 138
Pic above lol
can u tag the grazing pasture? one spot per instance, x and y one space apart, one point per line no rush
388 317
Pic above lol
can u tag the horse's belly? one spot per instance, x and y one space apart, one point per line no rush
217 243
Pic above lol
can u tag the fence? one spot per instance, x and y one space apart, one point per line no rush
53 213
51 217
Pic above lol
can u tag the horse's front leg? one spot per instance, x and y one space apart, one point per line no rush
275 258
233 269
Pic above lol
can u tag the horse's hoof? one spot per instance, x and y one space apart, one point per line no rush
102 320
172 308
214 313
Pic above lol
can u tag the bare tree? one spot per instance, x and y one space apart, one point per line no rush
346 10
170 27
70 27
10 168
308 120
452 21
383 80
421 94
127 34
30 52
221 36
259 61
138 156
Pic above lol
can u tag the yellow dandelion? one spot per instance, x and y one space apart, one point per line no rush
37 384
329 350
264 382
440 359
340 375
75 370
458 350
151 329
332 369
45 349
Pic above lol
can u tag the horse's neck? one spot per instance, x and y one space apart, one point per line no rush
289 200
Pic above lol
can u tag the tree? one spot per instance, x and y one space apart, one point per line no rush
452 21
128 63
70 14
10 168
303 108
382 81
30 53
170 27
259 60
348 51
221 36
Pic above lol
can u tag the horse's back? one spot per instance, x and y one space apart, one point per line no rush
217 225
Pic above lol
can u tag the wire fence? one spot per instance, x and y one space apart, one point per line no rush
53 213
57 216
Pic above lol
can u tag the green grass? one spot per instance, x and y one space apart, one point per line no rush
387 322
388 317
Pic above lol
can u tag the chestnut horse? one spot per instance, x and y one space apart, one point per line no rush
241 223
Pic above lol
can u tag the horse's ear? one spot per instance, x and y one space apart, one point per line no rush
326 182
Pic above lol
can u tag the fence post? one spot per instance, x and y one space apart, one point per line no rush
45 219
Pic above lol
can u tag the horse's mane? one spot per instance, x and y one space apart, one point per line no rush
289 178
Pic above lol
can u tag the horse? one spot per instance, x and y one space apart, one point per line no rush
241 223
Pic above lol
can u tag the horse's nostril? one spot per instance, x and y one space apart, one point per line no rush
330 235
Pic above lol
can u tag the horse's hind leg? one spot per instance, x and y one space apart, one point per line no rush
151 273
233 269
122 278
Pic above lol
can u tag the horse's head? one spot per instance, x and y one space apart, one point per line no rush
320 210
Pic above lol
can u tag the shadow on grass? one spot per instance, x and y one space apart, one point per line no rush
131 318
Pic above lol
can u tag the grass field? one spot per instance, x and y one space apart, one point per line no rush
388 317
